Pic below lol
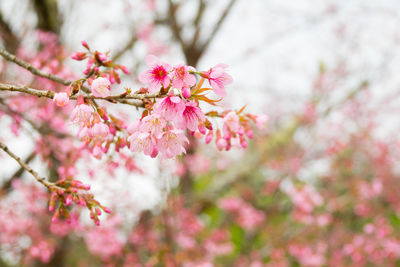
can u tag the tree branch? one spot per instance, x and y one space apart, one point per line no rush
11 41
32 69
127 47
218 25
38 178
50 94
47 15
7 185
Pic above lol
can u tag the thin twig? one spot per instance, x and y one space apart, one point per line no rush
38 178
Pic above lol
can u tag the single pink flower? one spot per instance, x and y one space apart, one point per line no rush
171 143
169 107
81 114
61 99
101 87
157 75
231 121
182 77
191 117
153 123
84 134
218 78
142 142
100 131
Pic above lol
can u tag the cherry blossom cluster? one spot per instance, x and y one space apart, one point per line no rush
68 191
172 105
98 60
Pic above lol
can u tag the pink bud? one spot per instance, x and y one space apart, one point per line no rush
186 92
243 142
86 187
209 137
55 217
51 207
102 56
68 200
202 128
61 99
107 210
249 133
124 69
78 56
84 44
154 153
98 211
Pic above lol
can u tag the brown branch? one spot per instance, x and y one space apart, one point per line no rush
32 69
10 40
127 47
196 22
47 15
49 76
174 25
38 178
218 25
50 94
7 185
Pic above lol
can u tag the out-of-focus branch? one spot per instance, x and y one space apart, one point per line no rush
129 45
174 25
10 40
7 185
218 25
48 15
196 22
38 178
32 69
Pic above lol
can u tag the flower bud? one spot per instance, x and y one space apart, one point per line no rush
209 137
61 99
78 56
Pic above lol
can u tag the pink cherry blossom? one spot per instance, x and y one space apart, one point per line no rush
61 99
157 75
231 121
100 131
153 123
142 142
81 114
84 134
218 78
171 143
101 87
169 107
182 77
191 117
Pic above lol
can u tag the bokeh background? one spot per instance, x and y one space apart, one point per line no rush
319 186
